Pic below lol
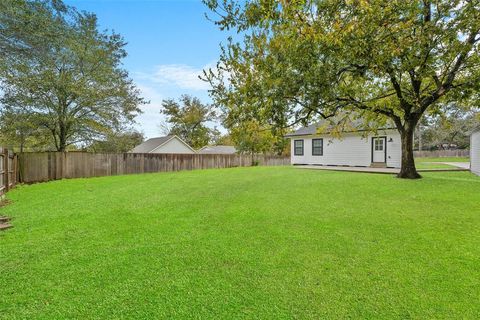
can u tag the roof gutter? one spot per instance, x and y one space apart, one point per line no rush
329 132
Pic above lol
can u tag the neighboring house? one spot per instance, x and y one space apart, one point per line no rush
475 152
217 150
354 147
168 144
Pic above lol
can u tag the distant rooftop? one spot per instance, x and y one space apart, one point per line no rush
218 150
150 144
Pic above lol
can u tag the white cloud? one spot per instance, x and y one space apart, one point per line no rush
167 81
179 75
150 119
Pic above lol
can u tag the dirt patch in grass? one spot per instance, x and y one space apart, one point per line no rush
4 202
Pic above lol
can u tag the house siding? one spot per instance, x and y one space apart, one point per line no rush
173 146
351 149
475 153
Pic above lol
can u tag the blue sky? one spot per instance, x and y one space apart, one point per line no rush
169 43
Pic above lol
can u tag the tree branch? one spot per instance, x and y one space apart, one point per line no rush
450 75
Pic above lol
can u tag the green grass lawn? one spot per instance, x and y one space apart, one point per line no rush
264 243
432 163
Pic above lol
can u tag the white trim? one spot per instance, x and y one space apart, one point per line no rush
174 136
370 132
475 152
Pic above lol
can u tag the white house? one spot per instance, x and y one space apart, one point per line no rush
352 148
475 152
168 144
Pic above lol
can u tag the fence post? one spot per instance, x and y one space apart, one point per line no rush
63 164
20 168
15 169
6 170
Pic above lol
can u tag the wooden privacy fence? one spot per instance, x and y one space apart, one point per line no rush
8 170
46 166
442 153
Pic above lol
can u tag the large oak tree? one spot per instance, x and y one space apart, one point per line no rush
373 60
64 73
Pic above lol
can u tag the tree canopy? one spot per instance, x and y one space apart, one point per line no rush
25 26
64 73
251 137
188 118
372 60
117 142
448 129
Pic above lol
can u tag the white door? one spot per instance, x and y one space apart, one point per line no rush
379 149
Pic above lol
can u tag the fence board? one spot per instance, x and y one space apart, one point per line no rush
442 153
45 166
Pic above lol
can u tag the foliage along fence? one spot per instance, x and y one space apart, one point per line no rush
8 170
442 153
46 166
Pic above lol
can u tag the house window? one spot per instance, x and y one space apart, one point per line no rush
317 147
298 147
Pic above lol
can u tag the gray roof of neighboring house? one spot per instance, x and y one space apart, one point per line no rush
150 144
218 150
353 126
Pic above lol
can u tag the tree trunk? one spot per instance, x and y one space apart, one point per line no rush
22 142
408 170
62 138
62 145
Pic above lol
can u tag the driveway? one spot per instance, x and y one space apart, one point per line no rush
456 166
462 165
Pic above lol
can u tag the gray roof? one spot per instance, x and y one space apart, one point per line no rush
305 131
150 144
353 126
218 150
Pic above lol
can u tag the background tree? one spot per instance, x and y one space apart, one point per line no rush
449 129
20 133
188 118
118 142
251 138
372 60
73 85
223 140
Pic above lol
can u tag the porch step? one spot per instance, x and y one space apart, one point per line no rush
378 165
